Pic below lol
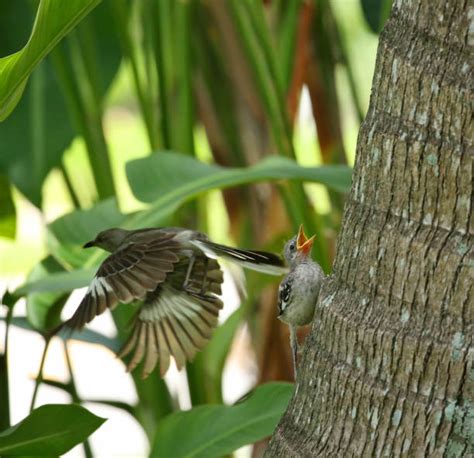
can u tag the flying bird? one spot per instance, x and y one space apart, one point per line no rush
175 274
299 290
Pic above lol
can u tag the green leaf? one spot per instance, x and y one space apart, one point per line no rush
205 371
7 209
49 430
86 335
34 137
216 430
376 12
67 234
81 226
170 179
54 19
59 282
44 309
216 351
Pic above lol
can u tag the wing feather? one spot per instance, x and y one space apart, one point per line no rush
131 343
163 354
174 343
139 347
183 337
182 321
126 275
164 348
151 351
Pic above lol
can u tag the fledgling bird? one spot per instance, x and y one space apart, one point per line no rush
299 290
175 275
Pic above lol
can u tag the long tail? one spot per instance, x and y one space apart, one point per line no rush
260 261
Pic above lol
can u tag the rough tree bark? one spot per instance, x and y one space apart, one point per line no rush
387 369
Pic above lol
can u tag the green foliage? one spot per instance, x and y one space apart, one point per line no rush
53 21
35 135
376 12
173 177
7 209
170 179
44 309
213 431
86 335
67 235
58 282
225 72
49 430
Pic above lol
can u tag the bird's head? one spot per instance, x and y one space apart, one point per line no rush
298 248
109 239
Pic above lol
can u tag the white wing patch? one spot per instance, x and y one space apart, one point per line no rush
170 302
99 287
239 257
175 323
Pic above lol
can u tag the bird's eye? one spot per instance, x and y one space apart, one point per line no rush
292 246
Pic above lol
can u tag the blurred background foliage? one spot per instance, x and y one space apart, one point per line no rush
237 118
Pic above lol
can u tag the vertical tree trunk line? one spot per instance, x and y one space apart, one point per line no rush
387 369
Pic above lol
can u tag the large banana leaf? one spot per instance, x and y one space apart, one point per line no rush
34 137
54 19
216 430
169 179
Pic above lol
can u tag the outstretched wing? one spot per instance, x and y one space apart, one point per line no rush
126 275
176 322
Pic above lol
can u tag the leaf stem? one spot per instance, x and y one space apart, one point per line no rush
4 382
69 186
39 377
75 395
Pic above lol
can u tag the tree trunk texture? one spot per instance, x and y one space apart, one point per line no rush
387 369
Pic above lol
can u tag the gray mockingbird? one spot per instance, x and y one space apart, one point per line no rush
299 290
175 275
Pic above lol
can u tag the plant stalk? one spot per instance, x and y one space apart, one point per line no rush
39 377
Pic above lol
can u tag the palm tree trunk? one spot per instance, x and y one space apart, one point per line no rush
387 369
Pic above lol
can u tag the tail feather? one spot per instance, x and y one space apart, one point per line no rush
260 261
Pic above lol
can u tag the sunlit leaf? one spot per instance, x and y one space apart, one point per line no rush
170 179
54 19
35 135
7 209
67 234
216 430
49 430
59 282
376 12
44 309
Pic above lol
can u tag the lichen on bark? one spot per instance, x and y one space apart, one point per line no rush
387 369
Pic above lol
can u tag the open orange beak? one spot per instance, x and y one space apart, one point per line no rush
303 244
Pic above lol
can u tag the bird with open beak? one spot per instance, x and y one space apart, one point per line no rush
299 290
